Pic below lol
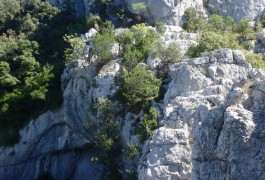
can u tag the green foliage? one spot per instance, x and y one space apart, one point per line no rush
194 20
137 43
23 81
131 151
216 23
258 26
217 32
255 60
170 54
31 61
160 27
148 125
210 41
93 21
103 42
139 6
76 47
8 10
105 128
139 87
245 33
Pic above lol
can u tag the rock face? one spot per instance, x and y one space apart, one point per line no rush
171 11
57 144
213 125
238 9
81 7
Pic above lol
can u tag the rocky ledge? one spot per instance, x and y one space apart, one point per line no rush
214 122
212 125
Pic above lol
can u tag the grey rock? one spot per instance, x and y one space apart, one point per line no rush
238 9
213 125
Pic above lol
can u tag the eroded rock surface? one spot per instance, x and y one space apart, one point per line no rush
172 11
238 9
213 124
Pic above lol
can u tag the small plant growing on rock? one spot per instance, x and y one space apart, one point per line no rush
160 27
131 151
150 122
255 60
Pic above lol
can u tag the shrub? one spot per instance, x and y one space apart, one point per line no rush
103 41
170 54
139 86
194 20
255 60
131 151
137 43
105 129
148 125
210 41
160 27
139 6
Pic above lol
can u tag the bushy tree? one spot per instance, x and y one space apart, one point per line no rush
150 122
31 38
8 10
245 33
76 49
23 83
137 43
168 55
194 20
103 42
105 129
139 86
210 41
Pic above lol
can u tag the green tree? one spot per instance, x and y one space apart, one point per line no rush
137 43
103 42
245 33
210 41
139 87
169 55
194 20
76 49
8 10
146 128
105 130
216 23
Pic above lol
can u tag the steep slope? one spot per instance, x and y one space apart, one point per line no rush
213 125
57 142
241 9
171 11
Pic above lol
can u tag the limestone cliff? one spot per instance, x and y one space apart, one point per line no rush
171 11
212 122
213 125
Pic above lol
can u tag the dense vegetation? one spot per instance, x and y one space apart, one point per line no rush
218 32
31 61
